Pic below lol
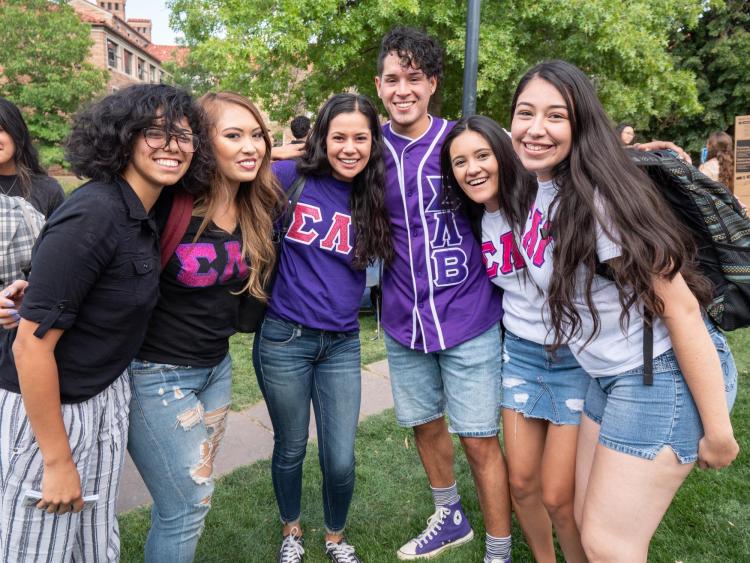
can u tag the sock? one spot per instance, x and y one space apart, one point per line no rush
446 496
497 548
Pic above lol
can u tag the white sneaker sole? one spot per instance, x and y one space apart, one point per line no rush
411 556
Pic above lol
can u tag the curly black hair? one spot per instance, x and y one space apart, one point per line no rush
300 126
371 222
101 140
415 49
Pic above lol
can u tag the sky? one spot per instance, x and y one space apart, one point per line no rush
159 14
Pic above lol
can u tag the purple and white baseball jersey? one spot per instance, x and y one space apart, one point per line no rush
316 285
436 294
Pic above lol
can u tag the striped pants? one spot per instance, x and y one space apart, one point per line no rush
98 431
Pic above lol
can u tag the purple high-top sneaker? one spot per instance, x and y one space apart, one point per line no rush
446 528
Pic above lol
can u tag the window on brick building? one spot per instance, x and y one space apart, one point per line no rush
117 6
153 73
111 54
127 62
141 69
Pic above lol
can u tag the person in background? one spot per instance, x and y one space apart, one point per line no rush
626 134
20 171
300 127
720 163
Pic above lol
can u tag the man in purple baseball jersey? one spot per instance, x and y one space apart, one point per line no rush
440 313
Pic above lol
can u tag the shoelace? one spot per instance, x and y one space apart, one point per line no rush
291 549
342 552
434 525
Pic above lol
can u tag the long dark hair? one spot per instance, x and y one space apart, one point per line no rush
101 140
257 201
516 186
371 223
25 156
634 214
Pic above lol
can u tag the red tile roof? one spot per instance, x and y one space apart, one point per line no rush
169 53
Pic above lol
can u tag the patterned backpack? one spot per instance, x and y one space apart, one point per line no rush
20 224
719 225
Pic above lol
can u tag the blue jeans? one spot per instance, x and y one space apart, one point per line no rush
177 420
295 365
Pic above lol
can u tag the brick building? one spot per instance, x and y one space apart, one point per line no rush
123 46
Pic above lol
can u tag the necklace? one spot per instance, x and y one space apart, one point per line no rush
6 192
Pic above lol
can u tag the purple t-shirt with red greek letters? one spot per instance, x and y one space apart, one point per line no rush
436 294
316 285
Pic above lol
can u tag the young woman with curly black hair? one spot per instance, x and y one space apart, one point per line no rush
64 392
642 432
182 375
20 171
308 346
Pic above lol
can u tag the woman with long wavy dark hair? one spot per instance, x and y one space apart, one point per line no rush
21 174
543 392
65 390
308 346
614 260
225 250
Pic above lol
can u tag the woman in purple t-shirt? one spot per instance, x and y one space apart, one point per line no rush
308 346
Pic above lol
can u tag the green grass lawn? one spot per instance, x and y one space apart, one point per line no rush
709 519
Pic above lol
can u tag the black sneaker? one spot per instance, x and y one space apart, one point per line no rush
291 550
341 552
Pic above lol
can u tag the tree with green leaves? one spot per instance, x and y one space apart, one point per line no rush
717 50
43 50
292 54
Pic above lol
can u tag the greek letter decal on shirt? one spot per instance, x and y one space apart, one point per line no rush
201 265
337 238
448 258
532 243
509 259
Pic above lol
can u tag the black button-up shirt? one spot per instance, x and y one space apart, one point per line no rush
95 274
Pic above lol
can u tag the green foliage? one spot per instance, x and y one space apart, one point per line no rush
51 155
292 54
717 50
43 48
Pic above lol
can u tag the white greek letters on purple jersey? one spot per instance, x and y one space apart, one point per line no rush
435 293
316 285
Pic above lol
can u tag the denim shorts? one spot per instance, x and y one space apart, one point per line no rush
640 419
542 385
462 381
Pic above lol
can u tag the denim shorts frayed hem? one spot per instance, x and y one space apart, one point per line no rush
464 434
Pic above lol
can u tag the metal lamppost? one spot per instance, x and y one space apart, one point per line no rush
471 58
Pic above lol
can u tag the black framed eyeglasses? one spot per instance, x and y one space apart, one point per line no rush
157 138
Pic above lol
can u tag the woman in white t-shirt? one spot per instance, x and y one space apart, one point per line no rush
637 442
543 392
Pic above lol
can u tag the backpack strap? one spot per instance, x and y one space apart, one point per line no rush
648 349
177 224
292 196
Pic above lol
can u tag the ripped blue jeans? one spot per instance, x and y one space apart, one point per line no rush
177 420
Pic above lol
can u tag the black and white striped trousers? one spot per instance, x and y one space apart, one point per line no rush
98 432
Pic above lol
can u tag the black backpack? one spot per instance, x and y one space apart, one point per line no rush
721 230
